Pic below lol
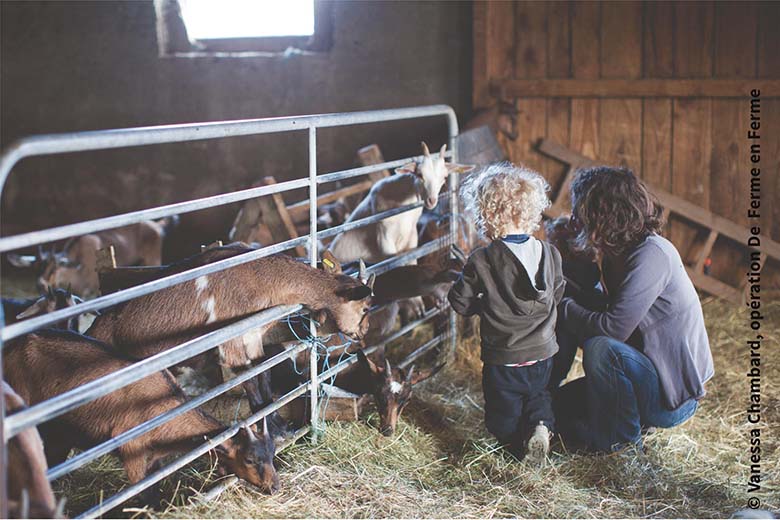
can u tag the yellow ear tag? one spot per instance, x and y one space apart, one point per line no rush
328 263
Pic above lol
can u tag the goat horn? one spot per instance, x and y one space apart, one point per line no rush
425 149
388 368
25 509
410 374
443 149
60 511
265 426
362 272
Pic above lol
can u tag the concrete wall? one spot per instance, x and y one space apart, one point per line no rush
69 66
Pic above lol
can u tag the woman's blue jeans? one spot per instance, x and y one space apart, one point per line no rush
619 396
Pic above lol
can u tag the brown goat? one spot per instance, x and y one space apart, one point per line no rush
158 321
75 267
47 363
390 386
27 469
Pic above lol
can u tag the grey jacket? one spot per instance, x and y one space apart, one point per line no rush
654 307
517 321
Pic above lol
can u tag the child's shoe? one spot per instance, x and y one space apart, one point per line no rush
539 444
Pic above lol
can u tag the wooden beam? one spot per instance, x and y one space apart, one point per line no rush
715 286
672 204
372 154
706 251
300 210
633 88
677 205
705 218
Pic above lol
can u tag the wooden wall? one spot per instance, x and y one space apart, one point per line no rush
694 146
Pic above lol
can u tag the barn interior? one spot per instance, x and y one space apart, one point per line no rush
662 88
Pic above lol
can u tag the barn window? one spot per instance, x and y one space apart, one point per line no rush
192 28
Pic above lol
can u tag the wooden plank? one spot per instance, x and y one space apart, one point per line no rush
269 211
558 40
585 40
621 38
481 76
501 39
300 210
369 155
584 137
770 168
558 114
620 131
691 154
284 217
633 88
768 40
672 202
706 251
532 126
657 142
715 286
736 30
693 36
530 39
720 224
658 58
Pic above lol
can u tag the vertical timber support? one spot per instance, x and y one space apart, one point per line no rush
313 255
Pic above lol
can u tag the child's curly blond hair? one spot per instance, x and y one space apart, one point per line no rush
502 196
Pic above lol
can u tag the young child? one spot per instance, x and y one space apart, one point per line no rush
514 284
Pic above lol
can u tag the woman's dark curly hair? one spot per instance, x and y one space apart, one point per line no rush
614 210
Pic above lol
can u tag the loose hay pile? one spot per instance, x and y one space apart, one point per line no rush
443 463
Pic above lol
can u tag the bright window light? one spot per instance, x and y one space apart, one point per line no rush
213 19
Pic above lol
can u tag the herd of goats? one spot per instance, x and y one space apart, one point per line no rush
43 364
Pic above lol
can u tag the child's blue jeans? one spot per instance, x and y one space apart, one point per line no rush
619 396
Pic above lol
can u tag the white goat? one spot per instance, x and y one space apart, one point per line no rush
412 183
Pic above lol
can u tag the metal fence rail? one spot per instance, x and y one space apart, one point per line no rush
108 139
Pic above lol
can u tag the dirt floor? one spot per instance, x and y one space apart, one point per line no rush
443 463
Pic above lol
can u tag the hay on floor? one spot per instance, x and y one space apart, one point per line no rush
443 463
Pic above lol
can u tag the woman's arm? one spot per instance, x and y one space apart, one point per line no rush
464 294
647 274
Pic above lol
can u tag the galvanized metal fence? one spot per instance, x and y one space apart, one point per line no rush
131 137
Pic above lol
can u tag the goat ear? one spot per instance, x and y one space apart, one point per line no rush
33 309
459 168
363 360
329 263
355 293
21 260
407 168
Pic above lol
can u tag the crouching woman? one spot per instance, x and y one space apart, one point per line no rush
646 354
